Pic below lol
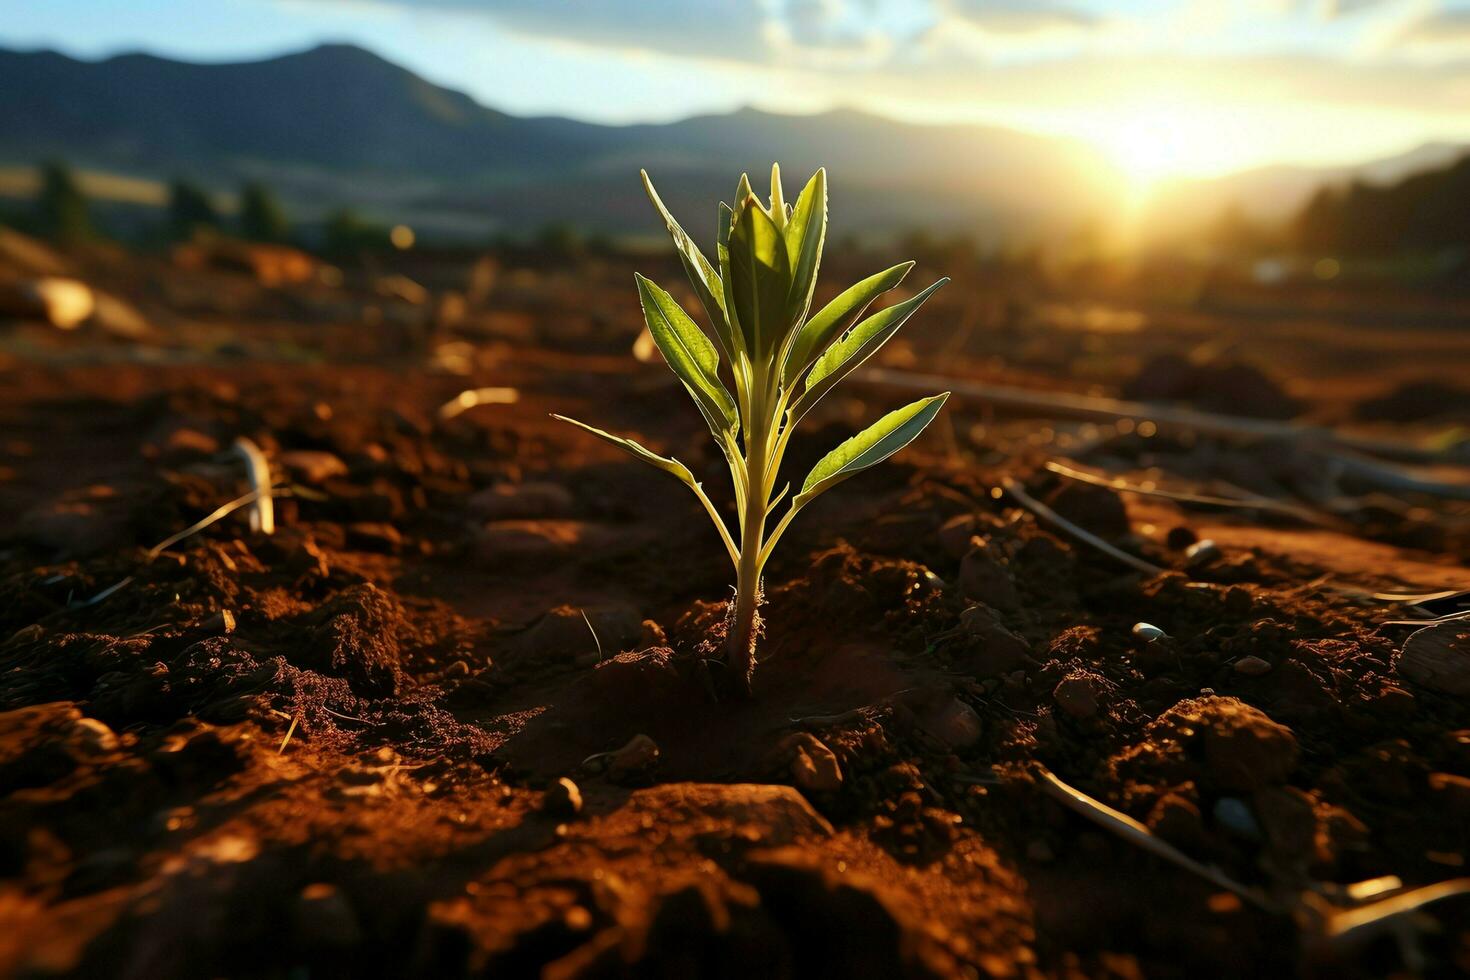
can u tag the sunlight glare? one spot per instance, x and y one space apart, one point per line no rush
1153 142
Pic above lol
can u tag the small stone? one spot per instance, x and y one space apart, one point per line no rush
634 762
1077 694
994 651
955 724
185 442
325 919
174 819
27 634
1148 632
374 536
775 815
313 466
1235 817
1098 509
93 736
501 545
1201 553
1177 820
1453 791
585 635
562 799
1244 748
1252 666
813 766
986 580
63 303
521 501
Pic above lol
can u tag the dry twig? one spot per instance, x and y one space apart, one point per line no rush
1014 488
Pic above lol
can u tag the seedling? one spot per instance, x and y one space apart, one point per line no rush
781 363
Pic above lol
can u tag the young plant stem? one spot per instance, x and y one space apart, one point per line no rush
742 636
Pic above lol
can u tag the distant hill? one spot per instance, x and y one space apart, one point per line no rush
337 124
1273 194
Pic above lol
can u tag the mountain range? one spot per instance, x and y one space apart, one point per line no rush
338 125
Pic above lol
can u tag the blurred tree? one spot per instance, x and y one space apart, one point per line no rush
190 209
560 238
262 218
63 211
1424 212
1316 225
346 233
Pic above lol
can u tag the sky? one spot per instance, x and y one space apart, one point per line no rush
1168 88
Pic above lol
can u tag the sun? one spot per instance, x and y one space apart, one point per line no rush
1157 141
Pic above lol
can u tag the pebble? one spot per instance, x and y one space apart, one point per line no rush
94 736
562 798
1202 552
1176 819
374 536
1451 790
814 767
1235 816
502 545
570 633
1148 632
1244 748
312 466
61 302
955 724
634 761
1099 509
27 634
521 501
986 580
183 442
1252 666
994 650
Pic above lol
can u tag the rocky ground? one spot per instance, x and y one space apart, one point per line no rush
451 718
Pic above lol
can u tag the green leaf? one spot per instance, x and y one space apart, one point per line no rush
760 272
777 209
870 447
722 256
702 275
688 352
859 344
806 233
722 228
836 317
742 191
671 466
